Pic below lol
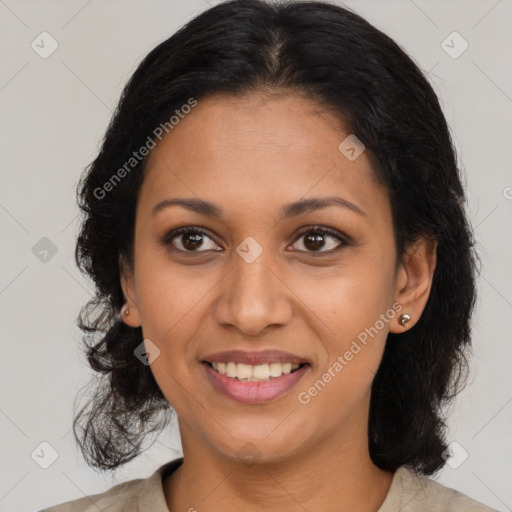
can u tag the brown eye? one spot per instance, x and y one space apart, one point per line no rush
190 239
318 238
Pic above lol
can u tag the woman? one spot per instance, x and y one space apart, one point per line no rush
276 231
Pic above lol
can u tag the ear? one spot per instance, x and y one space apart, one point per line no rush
128 286
414 280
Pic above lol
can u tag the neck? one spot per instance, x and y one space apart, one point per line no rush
337 475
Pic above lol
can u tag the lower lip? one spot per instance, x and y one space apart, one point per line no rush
254 392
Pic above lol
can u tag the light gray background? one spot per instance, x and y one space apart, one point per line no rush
54 113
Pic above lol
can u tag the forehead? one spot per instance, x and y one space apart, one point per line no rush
255 149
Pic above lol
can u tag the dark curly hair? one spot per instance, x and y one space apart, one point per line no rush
338 59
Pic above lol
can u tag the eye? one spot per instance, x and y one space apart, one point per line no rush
315 238
189 239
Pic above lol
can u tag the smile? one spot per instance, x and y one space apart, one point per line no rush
253 373
254 377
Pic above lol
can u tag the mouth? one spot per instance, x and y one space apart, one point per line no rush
253 373
254 377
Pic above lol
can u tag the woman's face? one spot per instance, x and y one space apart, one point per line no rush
257 295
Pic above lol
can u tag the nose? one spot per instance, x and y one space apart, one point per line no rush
254 297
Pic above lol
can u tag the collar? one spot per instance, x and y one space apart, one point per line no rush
152 495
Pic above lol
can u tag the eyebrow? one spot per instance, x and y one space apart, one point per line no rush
209 209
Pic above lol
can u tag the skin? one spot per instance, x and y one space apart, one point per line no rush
249 156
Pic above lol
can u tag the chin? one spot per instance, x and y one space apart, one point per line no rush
268 445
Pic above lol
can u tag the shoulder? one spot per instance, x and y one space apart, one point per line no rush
131 496
120 497
413 492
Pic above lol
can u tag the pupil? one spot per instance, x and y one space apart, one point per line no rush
314 241
192 241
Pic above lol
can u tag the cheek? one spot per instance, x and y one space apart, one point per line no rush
354 343
345 301
169 298
352 314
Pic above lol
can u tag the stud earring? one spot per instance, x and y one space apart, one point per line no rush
404 318
126 312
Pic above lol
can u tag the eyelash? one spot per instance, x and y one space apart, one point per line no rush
316 229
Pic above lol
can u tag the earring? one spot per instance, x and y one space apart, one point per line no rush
404 318
126 311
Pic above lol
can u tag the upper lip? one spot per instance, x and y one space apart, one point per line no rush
254 358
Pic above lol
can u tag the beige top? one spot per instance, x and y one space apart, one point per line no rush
409 492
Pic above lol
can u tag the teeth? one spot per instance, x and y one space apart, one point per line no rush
261 371
275 369
244 371
250 373
231 370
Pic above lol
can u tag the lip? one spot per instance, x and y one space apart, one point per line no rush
254 392
254 358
